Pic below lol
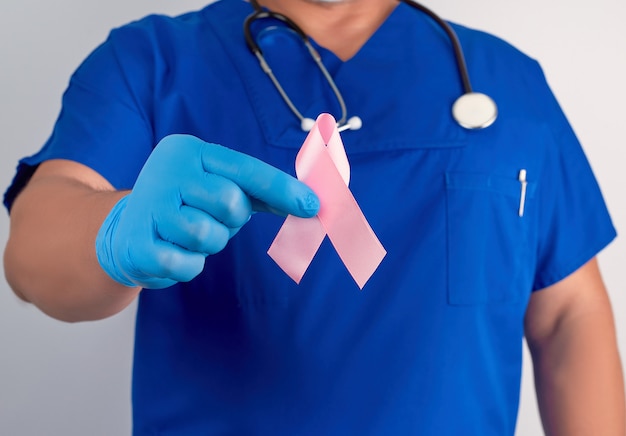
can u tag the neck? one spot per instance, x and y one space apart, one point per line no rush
342 27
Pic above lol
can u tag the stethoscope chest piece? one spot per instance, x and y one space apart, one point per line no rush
474 110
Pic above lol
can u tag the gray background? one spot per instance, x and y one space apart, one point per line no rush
73 379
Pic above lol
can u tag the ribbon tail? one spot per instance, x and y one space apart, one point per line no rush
295 245
344 222
360 254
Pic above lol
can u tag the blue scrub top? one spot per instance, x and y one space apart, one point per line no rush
433 344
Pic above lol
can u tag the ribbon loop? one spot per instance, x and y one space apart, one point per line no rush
322 164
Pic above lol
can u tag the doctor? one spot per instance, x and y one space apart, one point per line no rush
172 137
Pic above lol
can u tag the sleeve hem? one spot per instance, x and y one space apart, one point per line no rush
556 275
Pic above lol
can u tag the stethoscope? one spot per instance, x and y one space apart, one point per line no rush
472 110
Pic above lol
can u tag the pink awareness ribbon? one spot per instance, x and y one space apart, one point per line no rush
323 165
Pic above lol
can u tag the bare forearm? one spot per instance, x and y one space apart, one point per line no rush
50 257
579 379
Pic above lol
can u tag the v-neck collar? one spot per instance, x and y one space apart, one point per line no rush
402 90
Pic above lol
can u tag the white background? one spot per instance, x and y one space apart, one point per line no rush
74 379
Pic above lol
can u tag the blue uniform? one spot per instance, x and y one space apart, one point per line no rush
433 344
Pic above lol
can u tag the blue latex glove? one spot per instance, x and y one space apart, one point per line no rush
190 198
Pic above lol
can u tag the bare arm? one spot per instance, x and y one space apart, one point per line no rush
578 375
50 259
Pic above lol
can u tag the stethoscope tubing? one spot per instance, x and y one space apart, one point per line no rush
454 39
471 110
260 14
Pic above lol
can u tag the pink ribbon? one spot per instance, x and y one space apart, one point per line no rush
323 165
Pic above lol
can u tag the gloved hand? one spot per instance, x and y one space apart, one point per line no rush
190 198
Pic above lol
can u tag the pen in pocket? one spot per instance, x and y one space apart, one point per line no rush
522 200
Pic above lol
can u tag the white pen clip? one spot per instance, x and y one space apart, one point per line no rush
522 199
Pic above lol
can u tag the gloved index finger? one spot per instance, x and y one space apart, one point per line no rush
274 190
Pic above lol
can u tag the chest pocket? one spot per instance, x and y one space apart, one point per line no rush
488 245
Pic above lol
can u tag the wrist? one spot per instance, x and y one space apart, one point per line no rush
104 244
